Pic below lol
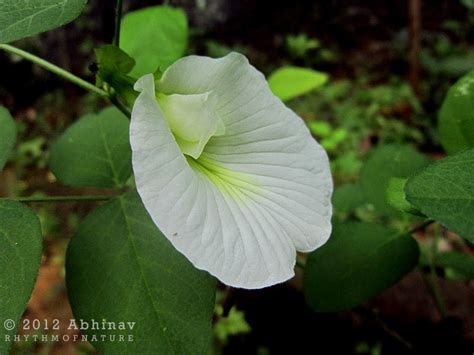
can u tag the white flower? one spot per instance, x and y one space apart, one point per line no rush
230 175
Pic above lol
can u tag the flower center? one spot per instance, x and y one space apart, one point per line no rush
192 120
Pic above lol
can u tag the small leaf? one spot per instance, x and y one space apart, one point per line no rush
121 268
320 128
456 117
94 151
384 163
395 197
19 19
20 255
461 263
289 82
358 262
114 65
7 135
155 37
113 59
444 191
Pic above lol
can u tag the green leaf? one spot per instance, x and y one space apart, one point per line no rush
20 255
289 82
94 151
114 65
358 262
7 135
384 163
347 198
111 58
24 18
121 268
320 128
155 37
461 263
456 117
396 198
444 191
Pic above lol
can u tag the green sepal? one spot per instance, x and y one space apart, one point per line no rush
113 68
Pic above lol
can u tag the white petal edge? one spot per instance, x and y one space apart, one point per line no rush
274 195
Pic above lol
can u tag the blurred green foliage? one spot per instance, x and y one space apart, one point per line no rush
347 117
233 323
299 46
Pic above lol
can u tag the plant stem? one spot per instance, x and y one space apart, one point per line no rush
46 199
433 278
116 101
372 314
118 22
437 294
54 69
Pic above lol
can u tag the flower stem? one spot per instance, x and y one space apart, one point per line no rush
46 199
116 101
118 21
54 69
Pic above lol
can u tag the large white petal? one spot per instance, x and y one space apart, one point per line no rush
255 195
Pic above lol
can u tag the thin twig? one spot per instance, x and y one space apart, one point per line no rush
54 69
386 328
118 22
